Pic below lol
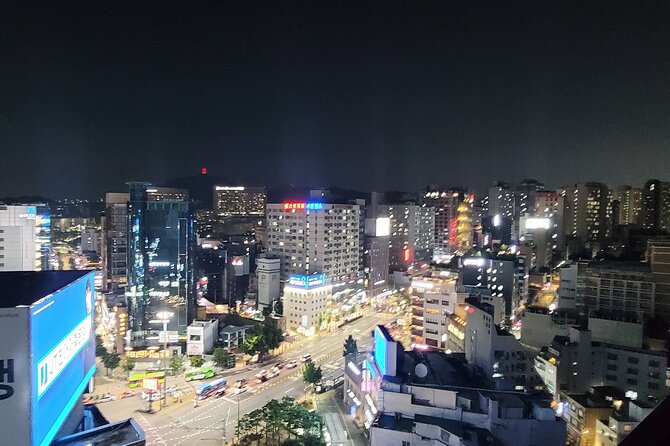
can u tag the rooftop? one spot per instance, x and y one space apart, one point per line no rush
126 433
451 426
24 288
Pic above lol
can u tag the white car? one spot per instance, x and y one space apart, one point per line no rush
306 358
261 374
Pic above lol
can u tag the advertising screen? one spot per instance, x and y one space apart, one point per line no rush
62 346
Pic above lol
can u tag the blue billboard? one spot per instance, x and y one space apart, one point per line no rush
62 347
312 281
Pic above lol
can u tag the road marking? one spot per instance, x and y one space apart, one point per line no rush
289 390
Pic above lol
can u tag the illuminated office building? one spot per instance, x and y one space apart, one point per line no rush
161 242
315 237
25 237
587 214
305 298
115 241
630 207
239 201
657 205
412 235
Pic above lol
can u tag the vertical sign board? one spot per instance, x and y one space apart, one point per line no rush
14 377
62 347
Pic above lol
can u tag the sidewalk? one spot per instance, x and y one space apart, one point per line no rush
342 428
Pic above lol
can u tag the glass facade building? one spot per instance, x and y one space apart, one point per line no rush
161 242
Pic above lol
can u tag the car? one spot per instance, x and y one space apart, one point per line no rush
240 383
219 393
279 366
272 374
107 397
306 357
261 373
126 394
291 364
239 390
261 379
275 369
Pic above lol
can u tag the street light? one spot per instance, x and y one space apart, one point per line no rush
163 318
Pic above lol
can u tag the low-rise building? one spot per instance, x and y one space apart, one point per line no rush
492 349
232 336
425 397
201 336
576 363
434 301
305 298
581 411
612 431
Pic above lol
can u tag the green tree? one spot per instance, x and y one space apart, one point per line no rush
111 361
197 361
221 357
273 336
253 343
350 347
311 374
127 364
100 350
312 440
176 363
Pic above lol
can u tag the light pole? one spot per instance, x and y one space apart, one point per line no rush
163 318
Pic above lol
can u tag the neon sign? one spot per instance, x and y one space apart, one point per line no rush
301 205
298 280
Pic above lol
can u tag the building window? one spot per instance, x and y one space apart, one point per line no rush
633 360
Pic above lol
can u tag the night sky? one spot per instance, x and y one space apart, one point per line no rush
373 96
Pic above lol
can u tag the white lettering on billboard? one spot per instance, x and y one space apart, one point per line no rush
57 359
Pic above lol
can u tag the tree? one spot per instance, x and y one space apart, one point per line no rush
221 357
350 347
262 338
111 361
176 363
127 364
197 361
311 374
312 440
273 336
100 350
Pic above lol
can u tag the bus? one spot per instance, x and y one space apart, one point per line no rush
136 379
200 373
206 389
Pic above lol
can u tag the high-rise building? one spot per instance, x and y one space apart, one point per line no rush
114 250
657 205
445 202
550 204
587 214
376 254
25 237
239 201
315 237
501 200
525 197
630 205
161 245
411 236
659 259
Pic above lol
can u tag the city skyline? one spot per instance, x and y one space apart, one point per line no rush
460 94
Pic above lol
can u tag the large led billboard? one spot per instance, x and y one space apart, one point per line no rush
62 349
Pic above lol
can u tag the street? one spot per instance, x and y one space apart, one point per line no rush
184 424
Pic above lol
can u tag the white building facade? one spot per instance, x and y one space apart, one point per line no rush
25 237
268 271
315 237
305 298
